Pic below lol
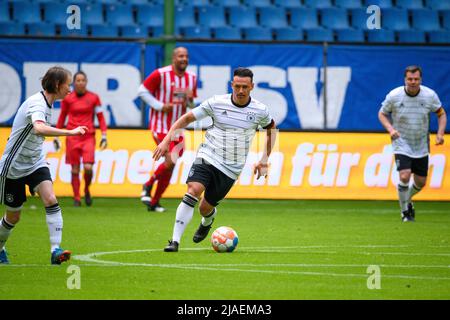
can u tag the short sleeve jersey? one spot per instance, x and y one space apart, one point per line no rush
228 140
411 118
24 150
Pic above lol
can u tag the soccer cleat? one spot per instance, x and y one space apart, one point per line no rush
201 232
156 207
59 256
411 210
145 195
4 257
76 203
172 246
406 217
88 198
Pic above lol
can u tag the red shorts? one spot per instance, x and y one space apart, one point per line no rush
80 147
176 147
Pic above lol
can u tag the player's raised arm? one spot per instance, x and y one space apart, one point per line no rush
42 129
181 123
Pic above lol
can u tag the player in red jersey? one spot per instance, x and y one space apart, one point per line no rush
168 91
80 106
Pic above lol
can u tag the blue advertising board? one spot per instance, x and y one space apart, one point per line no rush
289 78
113 70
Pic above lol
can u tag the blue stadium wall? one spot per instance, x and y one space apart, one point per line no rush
288 77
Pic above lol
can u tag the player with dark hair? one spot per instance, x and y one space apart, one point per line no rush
23 162
169 91
221 158
405 114
80 106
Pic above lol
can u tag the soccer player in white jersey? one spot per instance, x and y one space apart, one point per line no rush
405 114
220 159
23 162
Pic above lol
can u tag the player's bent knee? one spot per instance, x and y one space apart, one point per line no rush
195 190
420 183
205 208
49 200
195 193
13 214
405 177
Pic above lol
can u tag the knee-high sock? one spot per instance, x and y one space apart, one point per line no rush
5 230
163 183
156 175
87 180
76 186
413 190
206 221
185 211
403 197
55 225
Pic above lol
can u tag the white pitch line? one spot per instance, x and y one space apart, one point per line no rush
209 268
92 261
224 267
101 263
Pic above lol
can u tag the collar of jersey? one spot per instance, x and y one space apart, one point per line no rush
48 104
410 95
249 100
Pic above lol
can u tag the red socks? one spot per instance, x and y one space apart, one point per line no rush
87 180
162 175
76 186
163 183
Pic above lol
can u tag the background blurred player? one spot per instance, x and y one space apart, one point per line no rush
221 158
80 106
405 114
169 91
23 162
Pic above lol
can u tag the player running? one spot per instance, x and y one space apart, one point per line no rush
405 114
221 158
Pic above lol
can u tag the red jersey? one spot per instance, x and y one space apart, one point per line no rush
162 83
81 111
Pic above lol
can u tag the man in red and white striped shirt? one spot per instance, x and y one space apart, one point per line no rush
168 91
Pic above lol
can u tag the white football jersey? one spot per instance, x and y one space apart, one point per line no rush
228 140
23 152
411 118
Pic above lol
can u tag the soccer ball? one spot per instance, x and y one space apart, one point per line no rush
224 239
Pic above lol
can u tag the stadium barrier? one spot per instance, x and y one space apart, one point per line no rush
303 165
289 78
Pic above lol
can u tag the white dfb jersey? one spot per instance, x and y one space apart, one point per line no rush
23 152
411 118
228 140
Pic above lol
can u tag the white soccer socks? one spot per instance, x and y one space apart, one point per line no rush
413 190
206 221
5 230
403 196
55 225
185 211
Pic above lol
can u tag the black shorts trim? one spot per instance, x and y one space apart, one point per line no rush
418 166
14 194
217 184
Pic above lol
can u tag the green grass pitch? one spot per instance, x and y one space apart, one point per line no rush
287 250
